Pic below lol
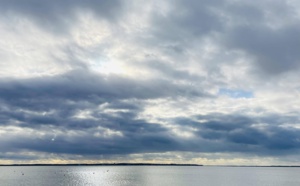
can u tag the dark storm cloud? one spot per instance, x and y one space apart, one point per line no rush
137 136
84 85
258 135
23 103
56 15
69 93
49 104
215 133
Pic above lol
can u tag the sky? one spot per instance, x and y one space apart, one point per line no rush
212 82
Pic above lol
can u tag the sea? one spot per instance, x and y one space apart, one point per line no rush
148 176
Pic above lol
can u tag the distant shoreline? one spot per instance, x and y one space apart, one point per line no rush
106 164
260 166
149 164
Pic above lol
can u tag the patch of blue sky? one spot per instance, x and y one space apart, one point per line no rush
236 93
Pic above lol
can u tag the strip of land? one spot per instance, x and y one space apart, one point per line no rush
106 164
261 166
146 164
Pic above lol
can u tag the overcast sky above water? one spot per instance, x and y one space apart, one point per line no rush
182 81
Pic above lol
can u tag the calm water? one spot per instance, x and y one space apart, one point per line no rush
148 176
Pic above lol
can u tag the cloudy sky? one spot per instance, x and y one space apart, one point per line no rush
181 81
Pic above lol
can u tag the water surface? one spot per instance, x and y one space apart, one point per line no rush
148 176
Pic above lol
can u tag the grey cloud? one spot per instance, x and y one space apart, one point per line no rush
138 136
242 26
56 16
187 19
47 104
17 156
265 32
170 71
55 101
176 30
264 135
83 85
124 105
274 52
221 133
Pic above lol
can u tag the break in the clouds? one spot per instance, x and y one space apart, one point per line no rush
208 82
